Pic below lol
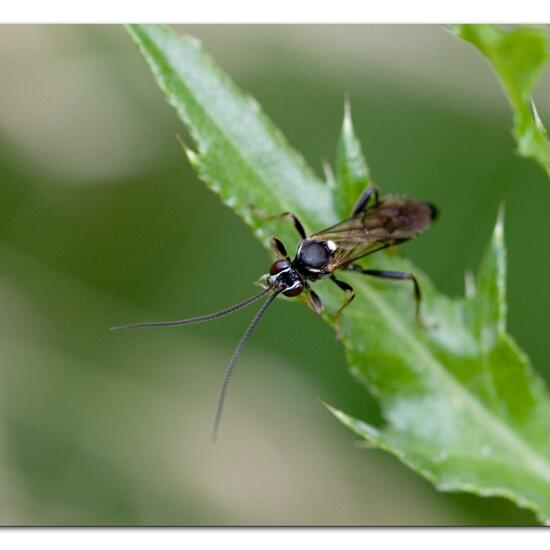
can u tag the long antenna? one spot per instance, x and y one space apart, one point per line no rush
201 318
235 358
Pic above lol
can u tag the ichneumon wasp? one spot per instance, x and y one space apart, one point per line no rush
375 223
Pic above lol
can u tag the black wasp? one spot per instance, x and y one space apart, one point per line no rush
375 223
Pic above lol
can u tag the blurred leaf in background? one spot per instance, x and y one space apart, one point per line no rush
104 222
518 56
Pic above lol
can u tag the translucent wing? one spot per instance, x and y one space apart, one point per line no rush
392 221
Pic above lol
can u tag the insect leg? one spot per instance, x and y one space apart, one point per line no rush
279 248
348 289
314 301
289 215
363 200
396 276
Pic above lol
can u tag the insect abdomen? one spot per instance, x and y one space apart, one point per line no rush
399 217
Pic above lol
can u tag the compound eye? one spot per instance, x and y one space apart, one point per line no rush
278 266
295 290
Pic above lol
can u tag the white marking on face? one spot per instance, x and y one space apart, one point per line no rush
295 285
332 246
273 278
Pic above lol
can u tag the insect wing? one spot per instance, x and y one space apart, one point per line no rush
392 221
350 240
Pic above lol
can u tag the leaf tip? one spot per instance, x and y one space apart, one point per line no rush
453 29
347 125
360 427
352 173
497 242
329 174
469 284
327 405
536 117
491 284
191 155
342 417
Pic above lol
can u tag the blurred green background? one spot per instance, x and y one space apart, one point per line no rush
103 222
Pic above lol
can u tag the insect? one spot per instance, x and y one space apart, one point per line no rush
375 223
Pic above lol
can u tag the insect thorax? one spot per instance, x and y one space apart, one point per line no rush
312 258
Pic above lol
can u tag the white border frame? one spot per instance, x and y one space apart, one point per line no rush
276 11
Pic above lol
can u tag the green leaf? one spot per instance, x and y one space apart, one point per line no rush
461 404
351 167
463 407
518 57
241 155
